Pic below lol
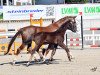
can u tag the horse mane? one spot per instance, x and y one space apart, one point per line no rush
59 30
59 21
55 25
62 20
62 27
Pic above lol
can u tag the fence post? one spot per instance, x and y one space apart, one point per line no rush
66 39
31 15
80 13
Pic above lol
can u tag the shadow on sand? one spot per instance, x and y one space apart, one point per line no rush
55 61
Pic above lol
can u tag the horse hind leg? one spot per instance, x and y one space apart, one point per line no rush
19 49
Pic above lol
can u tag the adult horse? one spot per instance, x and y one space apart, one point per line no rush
56 37
27 32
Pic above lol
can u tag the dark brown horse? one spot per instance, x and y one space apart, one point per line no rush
56 37
27 32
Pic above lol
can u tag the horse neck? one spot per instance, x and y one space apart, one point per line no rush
54 26
61 21
62 33
62 30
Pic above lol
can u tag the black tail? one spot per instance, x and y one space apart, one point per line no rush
12 40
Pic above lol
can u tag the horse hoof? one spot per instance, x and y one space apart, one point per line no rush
51 59
42 62
12 63
2 64
47 62
27 65
36 60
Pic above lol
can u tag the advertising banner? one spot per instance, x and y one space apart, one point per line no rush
23 12
89 11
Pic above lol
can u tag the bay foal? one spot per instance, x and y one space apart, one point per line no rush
56 37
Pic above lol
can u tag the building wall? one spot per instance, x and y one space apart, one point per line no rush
39 2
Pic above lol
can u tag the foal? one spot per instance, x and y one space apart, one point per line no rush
56 37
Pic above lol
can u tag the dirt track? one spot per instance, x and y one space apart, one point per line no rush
85 62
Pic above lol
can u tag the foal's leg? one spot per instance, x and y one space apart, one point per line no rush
52 54
29 48
52 47
17 52
66 49
53 51
48 49
36 48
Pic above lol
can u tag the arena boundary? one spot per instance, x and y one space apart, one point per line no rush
94 37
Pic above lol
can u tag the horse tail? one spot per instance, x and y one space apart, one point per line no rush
12 40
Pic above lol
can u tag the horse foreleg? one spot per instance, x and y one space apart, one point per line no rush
36 48
52 54
53 51
50 47
17 52
40 54
61 44
46 51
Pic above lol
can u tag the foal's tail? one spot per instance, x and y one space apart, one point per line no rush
12 40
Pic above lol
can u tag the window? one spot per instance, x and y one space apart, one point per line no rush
11 2
4 2
97 1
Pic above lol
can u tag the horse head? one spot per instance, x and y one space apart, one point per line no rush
72 23
69 24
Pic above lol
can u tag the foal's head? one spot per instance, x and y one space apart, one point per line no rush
69 24
72 23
